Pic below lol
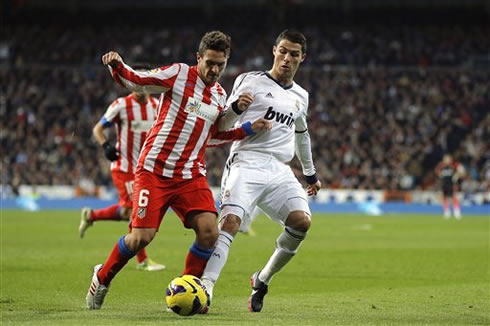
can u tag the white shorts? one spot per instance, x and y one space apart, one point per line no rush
253 179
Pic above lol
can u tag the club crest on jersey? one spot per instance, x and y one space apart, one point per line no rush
141 212
298 105
269 95
227 194
201 110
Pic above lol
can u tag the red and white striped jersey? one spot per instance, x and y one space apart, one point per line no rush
188 113
132 120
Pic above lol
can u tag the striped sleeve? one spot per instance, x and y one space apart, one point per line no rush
219 138
157 80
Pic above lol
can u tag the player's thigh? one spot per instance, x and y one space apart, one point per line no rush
150 200
191 198
242 189
284 198
124 184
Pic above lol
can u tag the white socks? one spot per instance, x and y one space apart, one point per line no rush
219 257
287 245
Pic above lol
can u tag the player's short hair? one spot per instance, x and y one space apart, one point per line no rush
217 41
141 66
292 36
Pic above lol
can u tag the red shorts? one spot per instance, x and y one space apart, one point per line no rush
154 194
124 184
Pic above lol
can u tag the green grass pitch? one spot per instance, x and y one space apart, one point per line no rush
351 270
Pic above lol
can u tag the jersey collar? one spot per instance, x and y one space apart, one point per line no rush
278 83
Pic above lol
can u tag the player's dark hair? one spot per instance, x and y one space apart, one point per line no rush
217 41
292 36
141 66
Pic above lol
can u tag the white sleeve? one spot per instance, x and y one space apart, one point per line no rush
230 115
303 144
157 80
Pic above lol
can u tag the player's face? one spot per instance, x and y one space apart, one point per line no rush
211 65
287 57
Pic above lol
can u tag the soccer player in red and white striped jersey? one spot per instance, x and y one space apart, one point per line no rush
171 169
132 116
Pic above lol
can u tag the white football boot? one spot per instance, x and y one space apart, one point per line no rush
96 292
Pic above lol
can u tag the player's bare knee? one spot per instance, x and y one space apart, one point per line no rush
140 238
230 223
207 237
299 220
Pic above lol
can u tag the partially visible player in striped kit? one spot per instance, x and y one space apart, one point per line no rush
171 170
132 116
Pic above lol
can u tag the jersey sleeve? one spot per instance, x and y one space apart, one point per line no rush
219 138
231 114
303 143
112 113
157 80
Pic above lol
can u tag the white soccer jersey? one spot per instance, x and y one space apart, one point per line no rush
285 107
132 120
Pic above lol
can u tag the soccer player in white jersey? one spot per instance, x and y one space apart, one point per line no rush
132 116
257 171
171 171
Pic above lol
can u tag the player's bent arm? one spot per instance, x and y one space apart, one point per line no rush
110 151
230 117
98 133
157 80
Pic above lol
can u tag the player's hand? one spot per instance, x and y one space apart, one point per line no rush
244 101
110 152
313 189
112 59
261 124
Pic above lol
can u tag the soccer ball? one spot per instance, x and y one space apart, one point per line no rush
185 295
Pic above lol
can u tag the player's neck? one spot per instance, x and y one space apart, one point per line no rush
280 78
141 98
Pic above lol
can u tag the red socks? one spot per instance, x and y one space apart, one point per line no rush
108 213
115 262
196 260
141 255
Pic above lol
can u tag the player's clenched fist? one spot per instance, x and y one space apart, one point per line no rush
313 189
261 124
244 101
112 58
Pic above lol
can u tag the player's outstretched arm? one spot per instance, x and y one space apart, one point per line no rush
219 138
157 80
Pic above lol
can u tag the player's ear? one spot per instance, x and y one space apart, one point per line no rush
303 57
274 48
198 57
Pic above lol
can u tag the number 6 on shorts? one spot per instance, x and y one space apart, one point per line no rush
143 198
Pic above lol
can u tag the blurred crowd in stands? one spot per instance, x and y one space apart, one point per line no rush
385 103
